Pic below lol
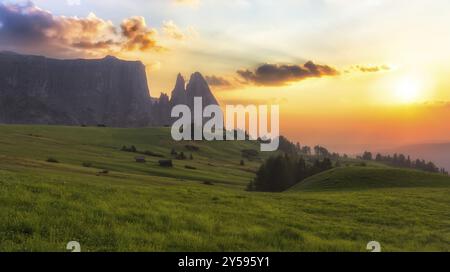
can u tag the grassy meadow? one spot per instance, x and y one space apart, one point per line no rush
145 207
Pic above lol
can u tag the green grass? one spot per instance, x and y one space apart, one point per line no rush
143 207
362 178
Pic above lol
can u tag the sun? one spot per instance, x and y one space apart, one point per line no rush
408 90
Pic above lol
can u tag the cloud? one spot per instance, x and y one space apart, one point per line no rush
173 31
187 2
27 27
217 81
73 2
277 75
138 35
373 69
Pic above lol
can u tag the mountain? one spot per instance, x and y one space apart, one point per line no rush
108 91
198 87
184 95
439 153
179 92
40 90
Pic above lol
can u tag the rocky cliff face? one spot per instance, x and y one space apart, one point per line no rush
108 91
40 90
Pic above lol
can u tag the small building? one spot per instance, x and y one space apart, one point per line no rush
140 159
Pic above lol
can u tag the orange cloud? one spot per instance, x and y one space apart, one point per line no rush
373 69
27 27
138 35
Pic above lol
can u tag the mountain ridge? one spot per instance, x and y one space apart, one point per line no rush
107 91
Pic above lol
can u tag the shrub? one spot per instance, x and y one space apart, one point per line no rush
153 154
242 163
181 156
190 167
129 149
86 164
52 160
192 147
165 163
250 154
208 183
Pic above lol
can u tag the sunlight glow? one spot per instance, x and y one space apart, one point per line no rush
408 90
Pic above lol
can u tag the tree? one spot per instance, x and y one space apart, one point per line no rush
379 157
367 156
279 173
181 156
306 150
321 151
286 146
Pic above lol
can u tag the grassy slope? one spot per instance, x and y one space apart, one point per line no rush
360 178
144 207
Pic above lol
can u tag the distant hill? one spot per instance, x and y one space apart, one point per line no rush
438 153
355 178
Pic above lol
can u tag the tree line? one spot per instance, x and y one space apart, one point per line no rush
400 160
281 172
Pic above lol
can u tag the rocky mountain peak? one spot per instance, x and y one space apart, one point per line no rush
198 87
179 92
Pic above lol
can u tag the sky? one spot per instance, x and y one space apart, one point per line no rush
348 74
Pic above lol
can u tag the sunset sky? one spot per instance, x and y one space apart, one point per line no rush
347 74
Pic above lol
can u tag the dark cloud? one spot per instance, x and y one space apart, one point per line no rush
372 69
23 23
217 81
26 27
276 75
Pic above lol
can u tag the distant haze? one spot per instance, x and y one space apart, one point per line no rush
438 153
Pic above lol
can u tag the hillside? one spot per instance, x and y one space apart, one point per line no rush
144 207
360 178
73 146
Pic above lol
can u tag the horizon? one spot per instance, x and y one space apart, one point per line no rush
367 89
